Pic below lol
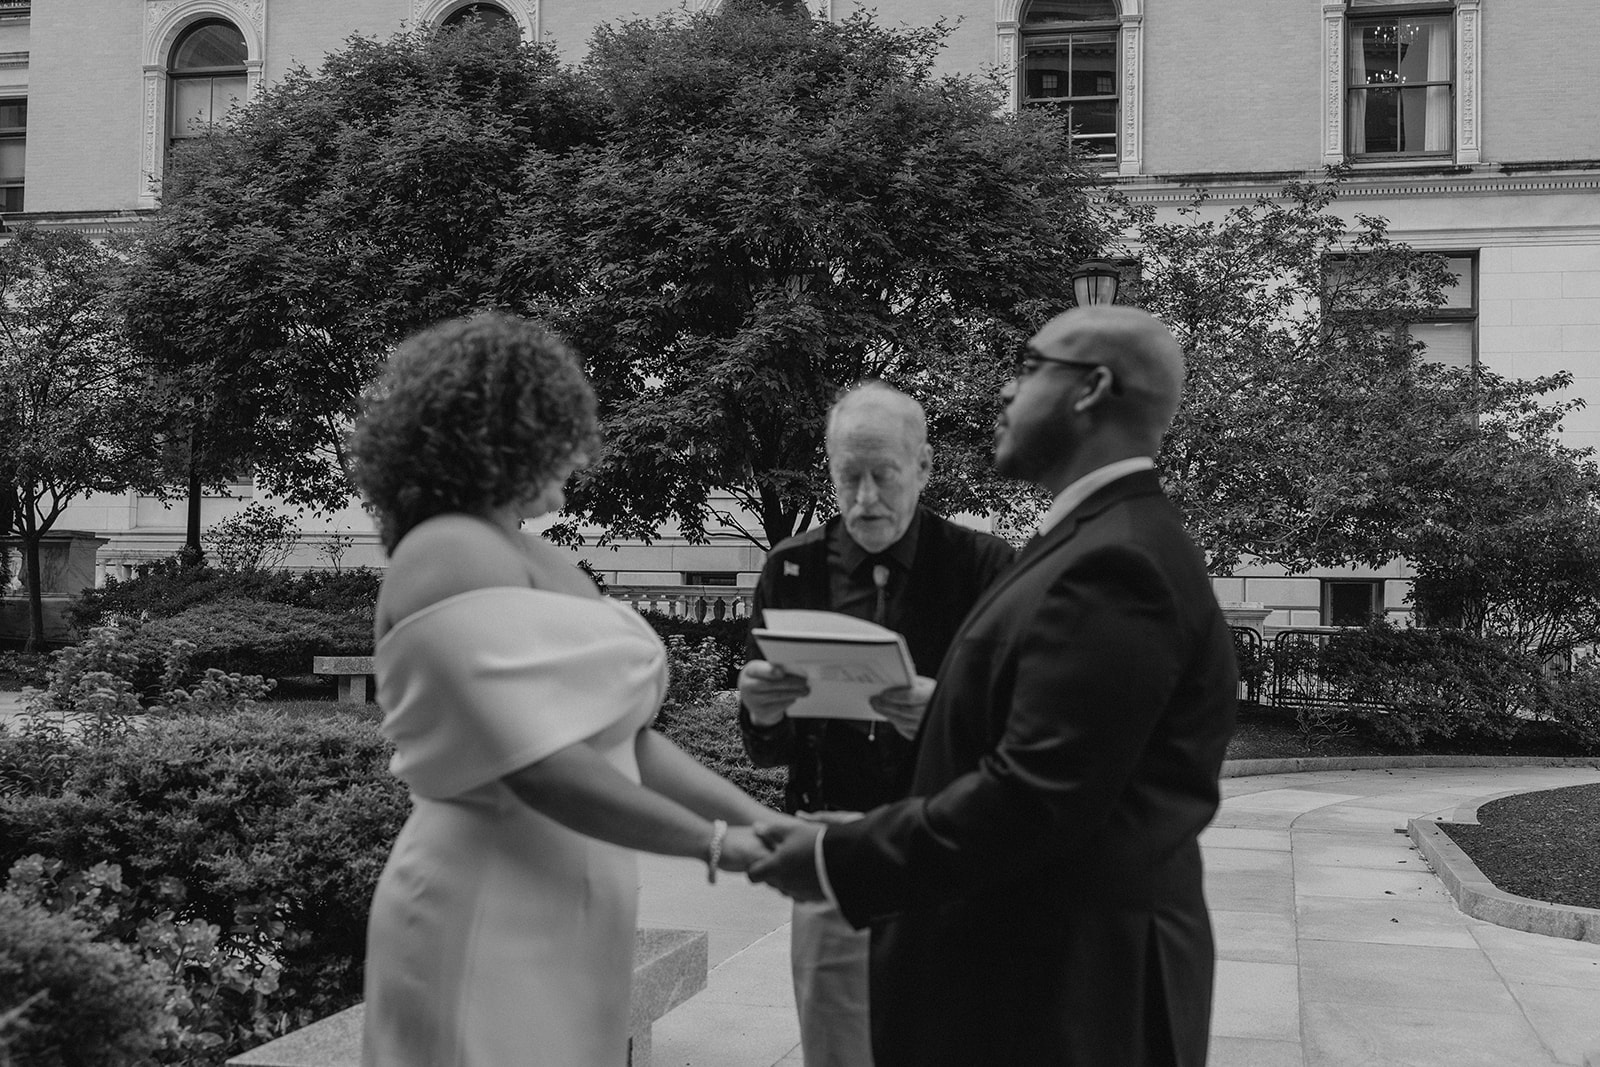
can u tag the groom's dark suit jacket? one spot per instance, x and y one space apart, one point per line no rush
1037 899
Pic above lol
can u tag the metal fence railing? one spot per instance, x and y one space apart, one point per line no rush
1298 680
1249 650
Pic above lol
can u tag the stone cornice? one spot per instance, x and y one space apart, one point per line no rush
1508 179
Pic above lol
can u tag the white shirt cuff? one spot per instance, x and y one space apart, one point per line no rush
822 869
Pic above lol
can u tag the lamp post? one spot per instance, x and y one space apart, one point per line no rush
1095 282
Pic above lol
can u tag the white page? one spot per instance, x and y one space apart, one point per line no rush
844 670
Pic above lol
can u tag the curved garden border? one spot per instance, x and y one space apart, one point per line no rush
1473 893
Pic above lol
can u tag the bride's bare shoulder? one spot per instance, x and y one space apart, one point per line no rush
444 556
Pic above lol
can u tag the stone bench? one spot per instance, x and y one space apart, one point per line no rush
352 673
669 966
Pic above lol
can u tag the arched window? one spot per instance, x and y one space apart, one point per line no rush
1069 62
206 76
487 14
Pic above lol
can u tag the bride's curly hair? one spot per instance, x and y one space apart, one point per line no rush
469 415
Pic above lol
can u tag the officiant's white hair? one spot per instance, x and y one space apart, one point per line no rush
887 402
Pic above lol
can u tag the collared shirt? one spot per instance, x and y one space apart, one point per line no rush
851 588
1065 501
1088 485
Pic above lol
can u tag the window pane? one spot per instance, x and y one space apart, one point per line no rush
1375 120
1461 295
1098 117
1352 603
486 14
1449 343
1424 48
1374 53
11 199
1094 64
13 114
226 94
1046 12
13 155
1424 120
214 44
191 107
1047 73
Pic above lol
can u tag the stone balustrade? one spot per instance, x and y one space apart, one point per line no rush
699 602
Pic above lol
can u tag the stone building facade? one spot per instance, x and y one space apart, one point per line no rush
1469 124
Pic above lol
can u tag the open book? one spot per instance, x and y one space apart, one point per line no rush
845 660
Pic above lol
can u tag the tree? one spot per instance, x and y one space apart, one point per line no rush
777 207
74 403
1314 432
343 210
1513 552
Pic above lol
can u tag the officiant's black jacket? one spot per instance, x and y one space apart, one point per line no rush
836 765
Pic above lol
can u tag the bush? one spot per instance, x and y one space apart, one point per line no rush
710 733
1574 704
70 1000
252 637
255 538
1432 684
694 673
729 634
167 588
240 840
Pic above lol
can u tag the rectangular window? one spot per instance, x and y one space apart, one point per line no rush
13 153
1076 73
1351 602
1448 333
1400 84
724 578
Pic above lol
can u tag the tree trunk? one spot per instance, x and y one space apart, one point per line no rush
193 555
30 563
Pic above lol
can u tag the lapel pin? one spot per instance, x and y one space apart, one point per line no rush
791 570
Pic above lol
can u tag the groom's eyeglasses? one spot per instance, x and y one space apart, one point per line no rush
1031 363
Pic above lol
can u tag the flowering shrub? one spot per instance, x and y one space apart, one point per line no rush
256 538
694 672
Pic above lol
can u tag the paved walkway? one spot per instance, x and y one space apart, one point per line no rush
1337 947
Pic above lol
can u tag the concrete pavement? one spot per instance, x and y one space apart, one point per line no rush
1337 947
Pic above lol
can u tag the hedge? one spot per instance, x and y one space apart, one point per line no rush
273 831
252 637
166 589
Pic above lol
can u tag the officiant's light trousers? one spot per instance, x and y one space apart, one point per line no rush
829 961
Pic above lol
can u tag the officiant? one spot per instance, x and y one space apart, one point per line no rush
887 559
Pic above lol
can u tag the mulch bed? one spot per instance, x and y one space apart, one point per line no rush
1545 845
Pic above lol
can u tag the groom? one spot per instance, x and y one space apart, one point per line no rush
1037 899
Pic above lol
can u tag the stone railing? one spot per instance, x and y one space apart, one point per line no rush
698 602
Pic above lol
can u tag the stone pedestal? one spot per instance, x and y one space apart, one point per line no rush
66 568
66 561
1246 613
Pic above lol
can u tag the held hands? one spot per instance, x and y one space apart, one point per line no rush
791 868
768 690
904 705
740 848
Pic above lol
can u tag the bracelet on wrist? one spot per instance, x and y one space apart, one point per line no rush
719 830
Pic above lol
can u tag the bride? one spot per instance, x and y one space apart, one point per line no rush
519 703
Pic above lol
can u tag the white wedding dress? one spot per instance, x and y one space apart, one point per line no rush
498 937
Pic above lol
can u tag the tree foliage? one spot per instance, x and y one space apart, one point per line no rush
777 207
346 208
731 214
1315 432
75 405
